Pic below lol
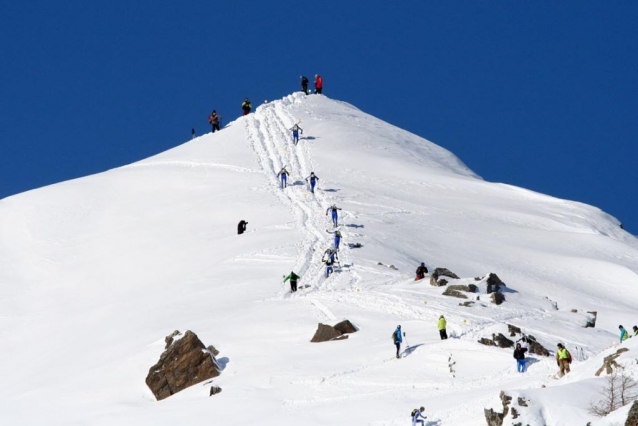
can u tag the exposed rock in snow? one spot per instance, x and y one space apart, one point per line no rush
346 327
184 363
441 272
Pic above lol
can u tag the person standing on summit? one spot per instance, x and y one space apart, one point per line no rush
318 84
214 120
304 84
246 106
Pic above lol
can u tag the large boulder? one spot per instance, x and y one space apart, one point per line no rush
497 298
494 418
455 290
632 418
325 333
494 283
346 327
497 340
441 272
185 362
535 347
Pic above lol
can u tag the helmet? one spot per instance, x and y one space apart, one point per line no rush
422 408
620 326
560 345
398 326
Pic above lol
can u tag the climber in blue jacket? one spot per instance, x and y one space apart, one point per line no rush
335 217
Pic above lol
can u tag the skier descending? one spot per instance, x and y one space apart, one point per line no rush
284 177
337 239
295 133
335 216
397 339
313 181
304 84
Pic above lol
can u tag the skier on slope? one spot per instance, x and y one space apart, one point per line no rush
329 265
293 281
420 272
318 84
313 181
241 227
519 356
304 84
335 216
397 339
283 173
563 359
214 120
295 133
246 106
623 333
635 328
442 324
192 133
418 417
337 239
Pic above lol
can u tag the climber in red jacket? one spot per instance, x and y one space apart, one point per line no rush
318 84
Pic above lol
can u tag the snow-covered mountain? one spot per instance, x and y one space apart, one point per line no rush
96 271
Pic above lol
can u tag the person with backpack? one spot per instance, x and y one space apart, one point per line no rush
418 417
420 272
295 133
241 227
623 333
304 84
318 84
192 133
519 356
635 328
284 177
214 119
246 106
313 181
330 261
441 325
337 239
397 339
293 281
335 216
563 359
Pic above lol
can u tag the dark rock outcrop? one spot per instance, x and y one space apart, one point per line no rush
609 362
455 290
339 331
214 390
497 340
535 347
591 322
185 362
346 327
632 418
169 339
467 304
441 272
497 298
494 283
513 330
494 418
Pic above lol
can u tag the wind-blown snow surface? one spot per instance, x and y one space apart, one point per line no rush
96 271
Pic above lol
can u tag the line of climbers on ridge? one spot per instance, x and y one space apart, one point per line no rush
215 119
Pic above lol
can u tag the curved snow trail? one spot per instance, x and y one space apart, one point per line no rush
192 165
271 139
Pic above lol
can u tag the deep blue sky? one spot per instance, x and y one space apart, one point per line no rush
541 95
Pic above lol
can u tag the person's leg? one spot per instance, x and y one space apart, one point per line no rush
524 363
312 186
444 334
398 345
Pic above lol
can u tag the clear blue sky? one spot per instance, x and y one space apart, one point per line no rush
541 95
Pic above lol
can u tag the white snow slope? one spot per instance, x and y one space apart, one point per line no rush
95 272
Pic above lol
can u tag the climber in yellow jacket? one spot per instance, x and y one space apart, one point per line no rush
441 325
563 359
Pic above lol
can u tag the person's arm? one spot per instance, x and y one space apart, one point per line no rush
287 278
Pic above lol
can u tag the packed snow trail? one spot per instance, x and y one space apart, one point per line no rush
268 129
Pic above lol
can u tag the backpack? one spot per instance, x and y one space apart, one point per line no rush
394 336
413 413
569 357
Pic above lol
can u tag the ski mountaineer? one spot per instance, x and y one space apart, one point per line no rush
420 272
397 339
304 84
241 227
335 216
635 330
441 326
519 356
329 262
246 106
337 239
318 84
313 181
214 119
192 133
295 133
418 417
293 281
623 333
563 359
284 177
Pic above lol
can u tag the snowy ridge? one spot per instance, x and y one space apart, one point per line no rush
96 271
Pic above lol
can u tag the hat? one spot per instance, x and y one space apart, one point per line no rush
560 345
620 326
398 326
